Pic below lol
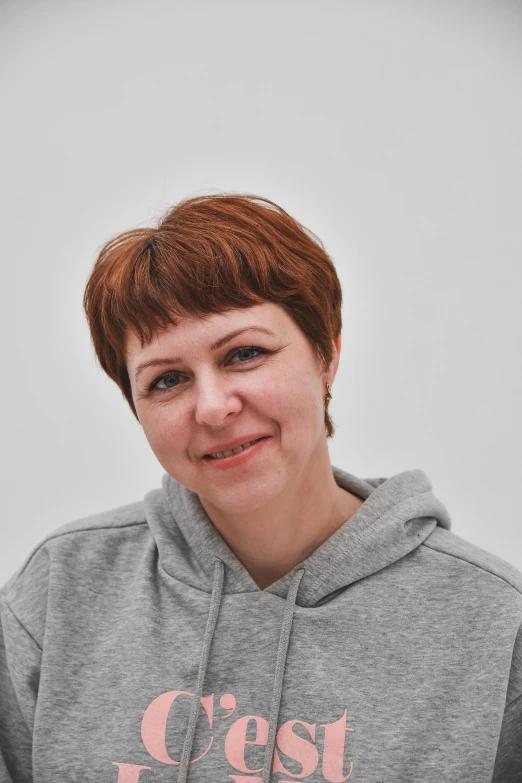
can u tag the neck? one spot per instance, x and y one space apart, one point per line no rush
270 542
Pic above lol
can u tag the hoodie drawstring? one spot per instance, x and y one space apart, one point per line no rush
215 601
282 651
284 639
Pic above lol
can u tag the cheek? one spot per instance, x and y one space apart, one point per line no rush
164 432
292 399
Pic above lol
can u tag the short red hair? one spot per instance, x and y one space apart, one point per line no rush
209 254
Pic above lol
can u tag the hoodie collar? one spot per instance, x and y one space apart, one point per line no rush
397 515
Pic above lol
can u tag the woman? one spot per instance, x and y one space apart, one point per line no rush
263 615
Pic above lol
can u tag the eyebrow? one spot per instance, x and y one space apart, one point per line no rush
214 347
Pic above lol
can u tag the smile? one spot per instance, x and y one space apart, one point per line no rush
222 454
238 458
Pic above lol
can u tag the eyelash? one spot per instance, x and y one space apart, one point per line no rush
152 386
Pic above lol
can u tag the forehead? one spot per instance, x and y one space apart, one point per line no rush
190 332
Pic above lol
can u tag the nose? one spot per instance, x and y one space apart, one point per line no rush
215 400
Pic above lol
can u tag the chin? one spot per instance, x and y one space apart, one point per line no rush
244 497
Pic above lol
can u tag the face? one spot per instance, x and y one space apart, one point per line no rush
197 397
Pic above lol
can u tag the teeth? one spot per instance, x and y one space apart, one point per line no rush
221 454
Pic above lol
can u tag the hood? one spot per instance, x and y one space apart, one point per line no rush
397 515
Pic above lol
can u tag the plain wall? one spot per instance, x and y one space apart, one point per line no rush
391 129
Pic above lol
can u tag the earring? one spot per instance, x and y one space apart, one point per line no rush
328 395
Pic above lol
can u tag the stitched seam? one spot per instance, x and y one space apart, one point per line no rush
512 702
208 592
6 605
472 564
54 536
367 533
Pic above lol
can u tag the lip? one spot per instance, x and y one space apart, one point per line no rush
233 444
239 459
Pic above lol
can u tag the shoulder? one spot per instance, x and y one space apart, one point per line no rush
87 545
128 515
473 559
483 590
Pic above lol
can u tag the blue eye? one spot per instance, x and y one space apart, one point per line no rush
154 384
251 348
169 375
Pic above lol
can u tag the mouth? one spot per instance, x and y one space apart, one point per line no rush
226 455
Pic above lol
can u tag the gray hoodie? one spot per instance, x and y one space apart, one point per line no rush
137 649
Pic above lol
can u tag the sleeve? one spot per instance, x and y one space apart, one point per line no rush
508 763
20 659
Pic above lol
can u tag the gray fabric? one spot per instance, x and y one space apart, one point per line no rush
282 653
392 653
215 601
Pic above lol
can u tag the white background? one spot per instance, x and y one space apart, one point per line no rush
391 129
